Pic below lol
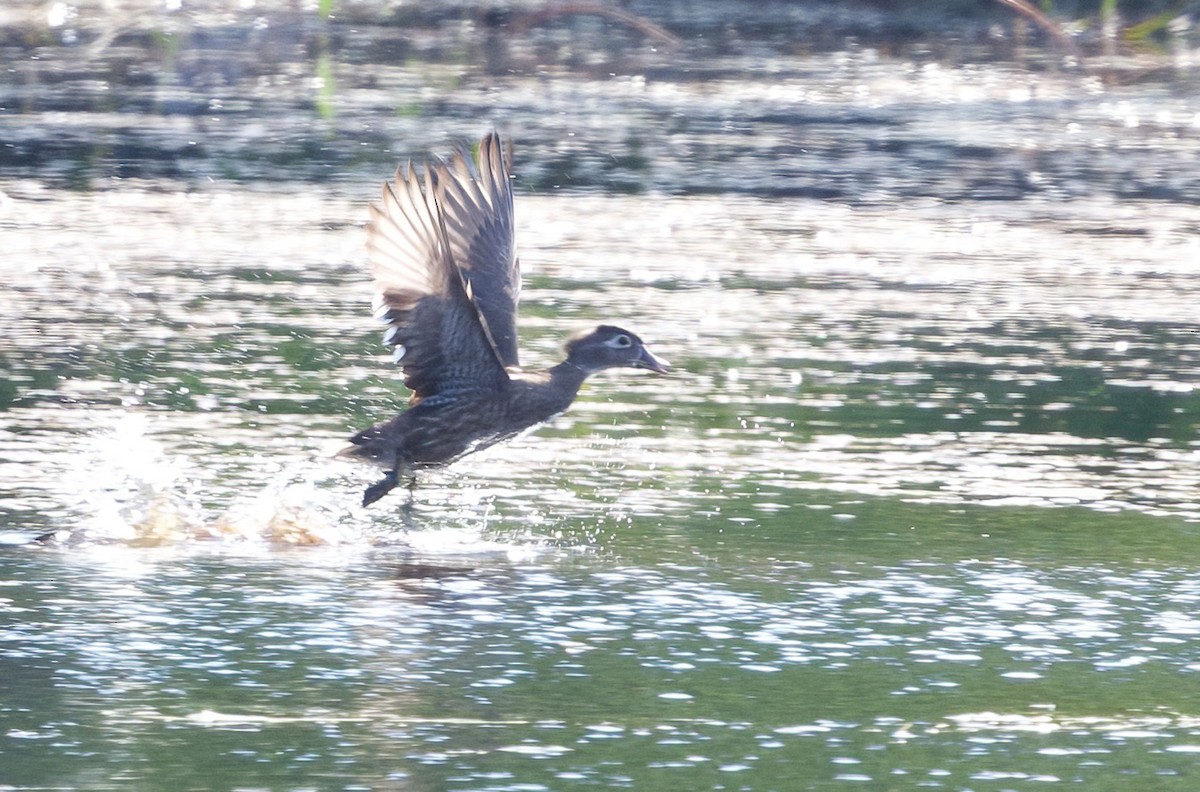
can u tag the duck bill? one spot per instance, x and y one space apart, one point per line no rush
648 360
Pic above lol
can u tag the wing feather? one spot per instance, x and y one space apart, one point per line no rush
477 203
435 266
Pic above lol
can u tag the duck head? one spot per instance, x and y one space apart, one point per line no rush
612 347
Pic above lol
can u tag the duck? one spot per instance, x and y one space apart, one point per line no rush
441 249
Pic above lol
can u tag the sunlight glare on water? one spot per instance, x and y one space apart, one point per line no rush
916 507
946 633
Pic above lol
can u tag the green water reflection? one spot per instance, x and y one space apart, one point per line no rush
923 643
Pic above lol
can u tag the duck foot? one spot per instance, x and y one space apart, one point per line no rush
380 488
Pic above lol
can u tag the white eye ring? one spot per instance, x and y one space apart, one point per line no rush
620 342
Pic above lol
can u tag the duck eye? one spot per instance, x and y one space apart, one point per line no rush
620 341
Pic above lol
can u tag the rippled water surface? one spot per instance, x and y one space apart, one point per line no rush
916 509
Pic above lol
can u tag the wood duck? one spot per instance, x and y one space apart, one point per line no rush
442 252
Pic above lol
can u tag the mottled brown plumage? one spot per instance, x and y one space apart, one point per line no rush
442 251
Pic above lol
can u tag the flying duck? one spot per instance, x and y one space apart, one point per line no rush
442 252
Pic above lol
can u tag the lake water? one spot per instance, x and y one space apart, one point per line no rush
917 508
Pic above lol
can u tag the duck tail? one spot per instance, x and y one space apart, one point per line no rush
369 446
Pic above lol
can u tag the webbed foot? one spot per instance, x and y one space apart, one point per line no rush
380 488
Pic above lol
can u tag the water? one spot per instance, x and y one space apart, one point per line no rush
916 509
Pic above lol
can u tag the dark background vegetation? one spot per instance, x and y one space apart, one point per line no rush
204 60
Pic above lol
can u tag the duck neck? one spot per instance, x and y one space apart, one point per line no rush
565 379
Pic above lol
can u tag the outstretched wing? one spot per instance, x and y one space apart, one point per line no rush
477 203
430 290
